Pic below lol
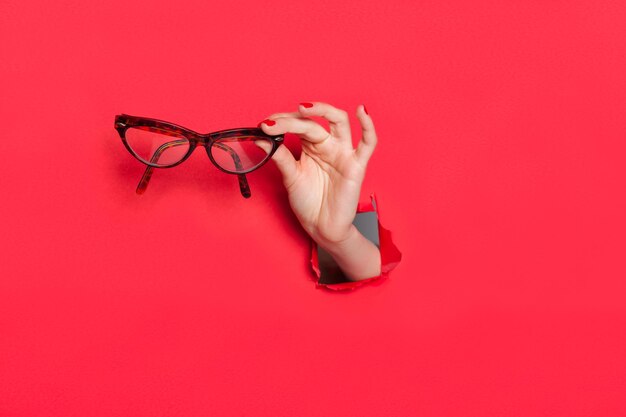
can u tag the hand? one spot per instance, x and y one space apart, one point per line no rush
325 184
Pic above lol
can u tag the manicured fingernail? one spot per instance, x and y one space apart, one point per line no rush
365 108
307 105
267 122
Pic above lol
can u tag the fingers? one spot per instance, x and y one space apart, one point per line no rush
307 129
285 162
366 146
286 114
337 118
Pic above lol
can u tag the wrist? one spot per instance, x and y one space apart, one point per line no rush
357 256
336 240
339 243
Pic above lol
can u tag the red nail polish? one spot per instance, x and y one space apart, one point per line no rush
267 122
365 108
307 105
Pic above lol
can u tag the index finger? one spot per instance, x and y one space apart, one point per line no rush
339 122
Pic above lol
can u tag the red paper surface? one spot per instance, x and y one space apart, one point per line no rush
499 167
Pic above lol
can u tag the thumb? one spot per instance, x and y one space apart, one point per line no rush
284 159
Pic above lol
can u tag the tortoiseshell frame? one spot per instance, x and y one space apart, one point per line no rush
124 121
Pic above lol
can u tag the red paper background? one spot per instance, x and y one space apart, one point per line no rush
500 171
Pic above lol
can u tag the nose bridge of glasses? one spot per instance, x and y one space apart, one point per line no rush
201 140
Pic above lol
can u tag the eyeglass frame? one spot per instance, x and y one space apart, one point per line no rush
123 122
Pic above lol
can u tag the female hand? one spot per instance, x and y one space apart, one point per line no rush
325 184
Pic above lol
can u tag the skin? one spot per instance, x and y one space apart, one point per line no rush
325 183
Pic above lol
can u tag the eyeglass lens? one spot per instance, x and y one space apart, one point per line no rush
155 146
241 153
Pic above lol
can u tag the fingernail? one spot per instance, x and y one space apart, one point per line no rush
365 108
267 122
307 105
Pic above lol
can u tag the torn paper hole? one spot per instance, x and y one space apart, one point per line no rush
367 221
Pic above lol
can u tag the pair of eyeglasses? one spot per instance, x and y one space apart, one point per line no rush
160 144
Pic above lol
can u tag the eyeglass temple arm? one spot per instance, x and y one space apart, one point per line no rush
244 187
243 181
147 174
